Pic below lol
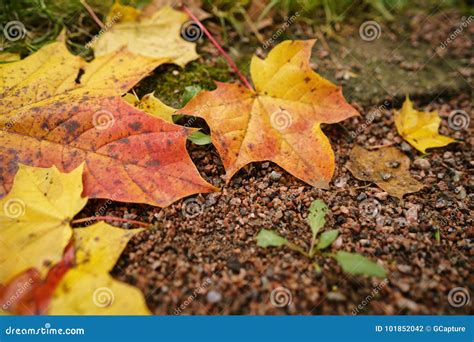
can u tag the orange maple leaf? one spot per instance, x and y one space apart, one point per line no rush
280 121
56 109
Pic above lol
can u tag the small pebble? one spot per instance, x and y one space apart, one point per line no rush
336 296
460 192
344 210
279 214
213 296
385 176
422 164
275 176
405 147
235 201
412 214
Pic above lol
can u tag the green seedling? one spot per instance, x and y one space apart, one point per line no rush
350 262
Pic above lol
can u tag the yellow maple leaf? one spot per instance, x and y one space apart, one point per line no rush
151 104
6 57
279 121
88 288
122 13
420 129
34 219
155 37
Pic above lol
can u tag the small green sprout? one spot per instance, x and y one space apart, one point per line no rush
350 262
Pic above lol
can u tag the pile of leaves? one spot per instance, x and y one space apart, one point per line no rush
70 132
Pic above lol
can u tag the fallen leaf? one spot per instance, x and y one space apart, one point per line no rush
420 129
28 294
88 288
16 296
6 57
150 104
34 219
122 13
281 120
193 5
77 115
386 167
155 37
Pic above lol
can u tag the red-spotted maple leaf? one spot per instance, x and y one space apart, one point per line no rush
56 109
279 121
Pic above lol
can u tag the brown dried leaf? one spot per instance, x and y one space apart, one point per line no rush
386 167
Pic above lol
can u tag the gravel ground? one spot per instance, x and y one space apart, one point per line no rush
201 258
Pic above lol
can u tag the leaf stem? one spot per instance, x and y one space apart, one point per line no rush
298 249
229 60
311 250
110 218
92 14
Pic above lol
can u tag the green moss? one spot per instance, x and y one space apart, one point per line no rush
169 81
